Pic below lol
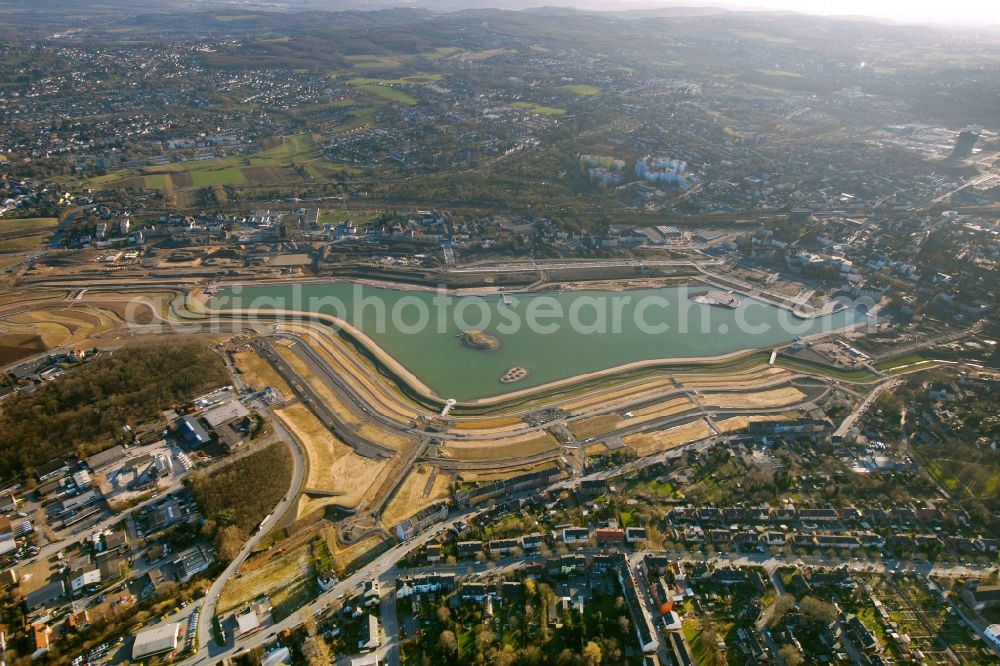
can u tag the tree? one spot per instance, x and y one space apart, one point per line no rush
531 655
565 658
819 610
779 608
483 639
316 652
447 641
790 655
443 614
592 654
228 542
504 657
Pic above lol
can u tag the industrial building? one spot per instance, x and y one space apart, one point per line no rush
161 639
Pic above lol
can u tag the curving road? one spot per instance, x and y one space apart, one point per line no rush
206 641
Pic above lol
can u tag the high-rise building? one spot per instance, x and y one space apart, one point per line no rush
963 146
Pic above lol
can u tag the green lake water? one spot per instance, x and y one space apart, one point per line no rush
570 333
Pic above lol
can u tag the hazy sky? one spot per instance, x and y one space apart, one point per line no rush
965 12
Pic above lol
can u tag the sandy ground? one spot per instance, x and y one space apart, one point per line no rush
333 465
342 556
599 425
361 426
648 443
759 376
364 379
476 477
510 447
411 496
610 397
740 422
593 426
258 373
59 327
761 400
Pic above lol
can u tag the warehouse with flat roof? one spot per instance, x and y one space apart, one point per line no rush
160 639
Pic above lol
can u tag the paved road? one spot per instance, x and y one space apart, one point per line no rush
865 405
206 641
560 265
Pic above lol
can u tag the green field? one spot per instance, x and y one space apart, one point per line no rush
580 90
538 108
383 90
974 476
26 224
25 234
329 216
373 61
361 117
231 175
281 164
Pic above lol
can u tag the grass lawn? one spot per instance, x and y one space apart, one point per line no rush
663 489
25 234
383 91
539 109
328 216
23 243
369 62
223 176
26 224
965 478
580 90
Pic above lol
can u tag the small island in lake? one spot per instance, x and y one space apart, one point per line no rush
480 340
514 374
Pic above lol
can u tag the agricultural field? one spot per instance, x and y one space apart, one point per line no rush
361 117
372 62
292 159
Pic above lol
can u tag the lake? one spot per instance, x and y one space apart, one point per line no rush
552 336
